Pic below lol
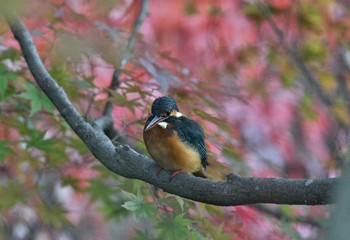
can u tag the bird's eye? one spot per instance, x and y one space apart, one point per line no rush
168 113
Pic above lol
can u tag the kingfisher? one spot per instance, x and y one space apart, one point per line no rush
174 141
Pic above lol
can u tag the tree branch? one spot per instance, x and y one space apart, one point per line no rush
338 225
106 121
310 81
279 214
126 162
125 57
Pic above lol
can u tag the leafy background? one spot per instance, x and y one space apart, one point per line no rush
268 81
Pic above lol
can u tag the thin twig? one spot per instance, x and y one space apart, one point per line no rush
126 56
277 213
311 81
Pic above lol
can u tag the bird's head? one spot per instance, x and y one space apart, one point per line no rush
162 108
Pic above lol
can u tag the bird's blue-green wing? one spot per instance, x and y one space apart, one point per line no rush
192 134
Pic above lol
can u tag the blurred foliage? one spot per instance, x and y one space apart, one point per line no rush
227 68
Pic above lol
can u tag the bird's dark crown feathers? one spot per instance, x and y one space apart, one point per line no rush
163 105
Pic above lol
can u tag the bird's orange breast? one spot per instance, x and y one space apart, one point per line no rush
166 148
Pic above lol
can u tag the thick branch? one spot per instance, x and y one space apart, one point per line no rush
126 162
235 191
95 140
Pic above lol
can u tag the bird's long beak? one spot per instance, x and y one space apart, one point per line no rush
153 122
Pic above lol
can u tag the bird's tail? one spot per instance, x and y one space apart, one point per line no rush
201 173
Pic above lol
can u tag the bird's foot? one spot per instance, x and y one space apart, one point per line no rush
174 174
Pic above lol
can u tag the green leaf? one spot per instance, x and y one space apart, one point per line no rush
4 150
133 88
310 17
221 123
313 49
139 207
177 228
213 210
78 145
11 53
123 101
132 196
179 219
141 235
82 84
190 8
178 199
3 85
70 181
307 108
60 74
37 99
132 205
5 76
252 11
288 80
340 110
37 140
55 215
287 229
215 11
212 230
327 81
287 211
12 193
106 191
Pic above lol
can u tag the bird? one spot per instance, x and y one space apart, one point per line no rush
174 141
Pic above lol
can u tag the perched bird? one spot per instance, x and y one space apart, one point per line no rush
174 141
